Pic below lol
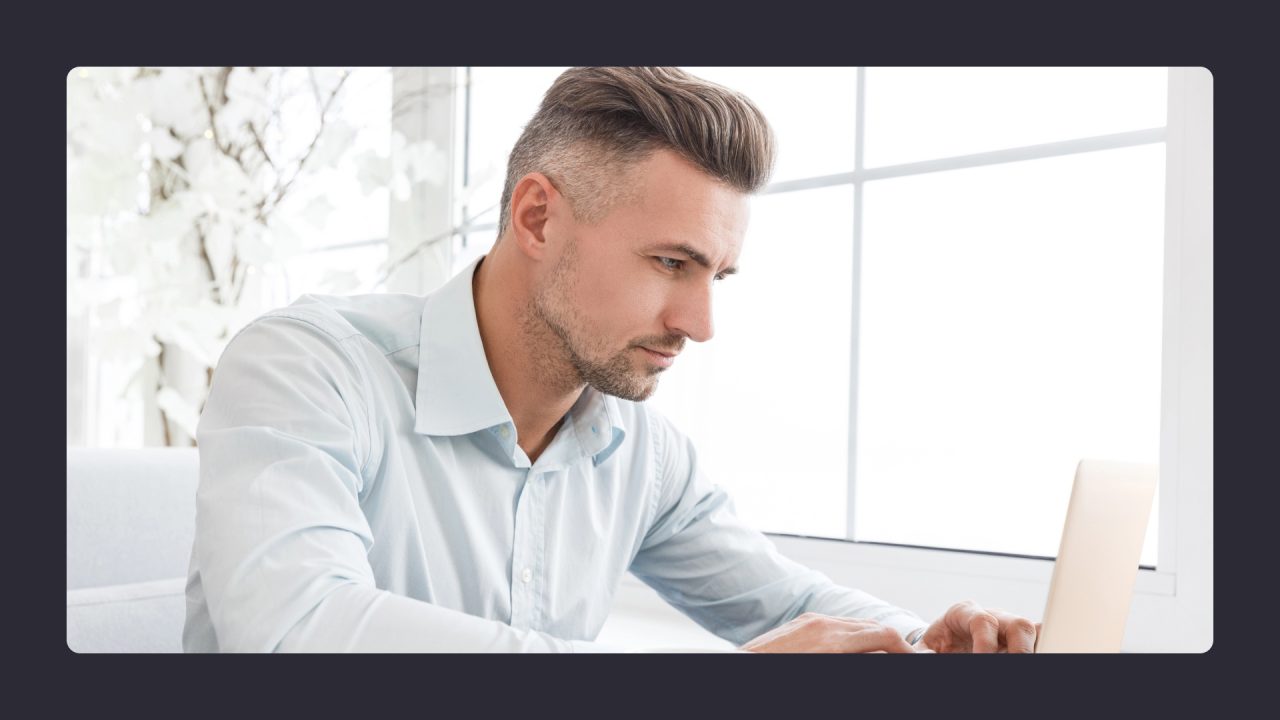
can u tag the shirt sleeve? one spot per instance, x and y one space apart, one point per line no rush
281 541
724 575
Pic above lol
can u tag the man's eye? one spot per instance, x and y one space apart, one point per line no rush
678 264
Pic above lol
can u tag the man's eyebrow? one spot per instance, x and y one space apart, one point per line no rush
693 253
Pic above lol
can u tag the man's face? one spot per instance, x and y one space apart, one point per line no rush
619 287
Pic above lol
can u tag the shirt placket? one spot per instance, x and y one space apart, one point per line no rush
539 540
525 564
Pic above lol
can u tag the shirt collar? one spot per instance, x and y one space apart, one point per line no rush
456 393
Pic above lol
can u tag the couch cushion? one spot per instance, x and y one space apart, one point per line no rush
143 617
130 514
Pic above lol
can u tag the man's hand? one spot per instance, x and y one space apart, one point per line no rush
815 633
966 627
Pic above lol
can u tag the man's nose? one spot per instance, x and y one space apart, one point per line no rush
691 313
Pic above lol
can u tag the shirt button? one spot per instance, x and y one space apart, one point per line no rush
593 429
526 575
503 431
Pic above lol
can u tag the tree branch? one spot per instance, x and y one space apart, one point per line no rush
315 87
164 417
208 264
262 148
324 113
237 285
208 104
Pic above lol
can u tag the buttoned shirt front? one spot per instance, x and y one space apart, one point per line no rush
362 489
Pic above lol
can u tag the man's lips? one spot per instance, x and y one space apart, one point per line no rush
663 353
660 359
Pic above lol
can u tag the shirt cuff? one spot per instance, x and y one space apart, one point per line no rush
904 623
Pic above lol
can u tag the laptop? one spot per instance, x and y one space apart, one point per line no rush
1092 584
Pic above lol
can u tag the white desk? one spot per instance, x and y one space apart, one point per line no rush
640 619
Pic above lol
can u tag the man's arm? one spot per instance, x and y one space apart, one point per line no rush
281 541
726 576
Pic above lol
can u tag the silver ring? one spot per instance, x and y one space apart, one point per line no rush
914 636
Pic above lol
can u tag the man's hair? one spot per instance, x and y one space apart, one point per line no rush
595 122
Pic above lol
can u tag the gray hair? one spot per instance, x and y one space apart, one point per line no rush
594 122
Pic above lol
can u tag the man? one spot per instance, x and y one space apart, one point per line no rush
475 470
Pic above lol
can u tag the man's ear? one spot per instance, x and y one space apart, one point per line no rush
531 201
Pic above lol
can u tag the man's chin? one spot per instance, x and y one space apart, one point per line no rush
632 394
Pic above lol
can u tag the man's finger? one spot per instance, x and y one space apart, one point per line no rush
984 631
881 639
1017 634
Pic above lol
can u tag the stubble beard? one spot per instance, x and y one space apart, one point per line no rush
561 352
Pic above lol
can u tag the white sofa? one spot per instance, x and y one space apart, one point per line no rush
130 525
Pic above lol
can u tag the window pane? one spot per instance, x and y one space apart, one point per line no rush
503 100
925 113
1010 325
766 400
811 110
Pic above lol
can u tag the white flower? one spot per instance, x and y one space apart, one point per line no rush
254 245
170 221
317 211
174 100
334 141
107 123
373 171
103 187
251 90
284 238
126 245
219 179
197 155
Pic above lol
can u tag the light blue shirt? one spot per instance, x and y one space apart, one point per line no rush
361 489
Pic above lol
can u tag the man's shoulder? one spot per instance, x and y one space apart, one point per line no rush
389 321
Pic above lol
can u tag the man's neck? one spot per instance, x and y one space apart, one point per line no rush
536 402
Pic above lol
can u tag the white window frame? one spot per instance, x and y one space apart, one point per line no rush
1172 608
423 101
